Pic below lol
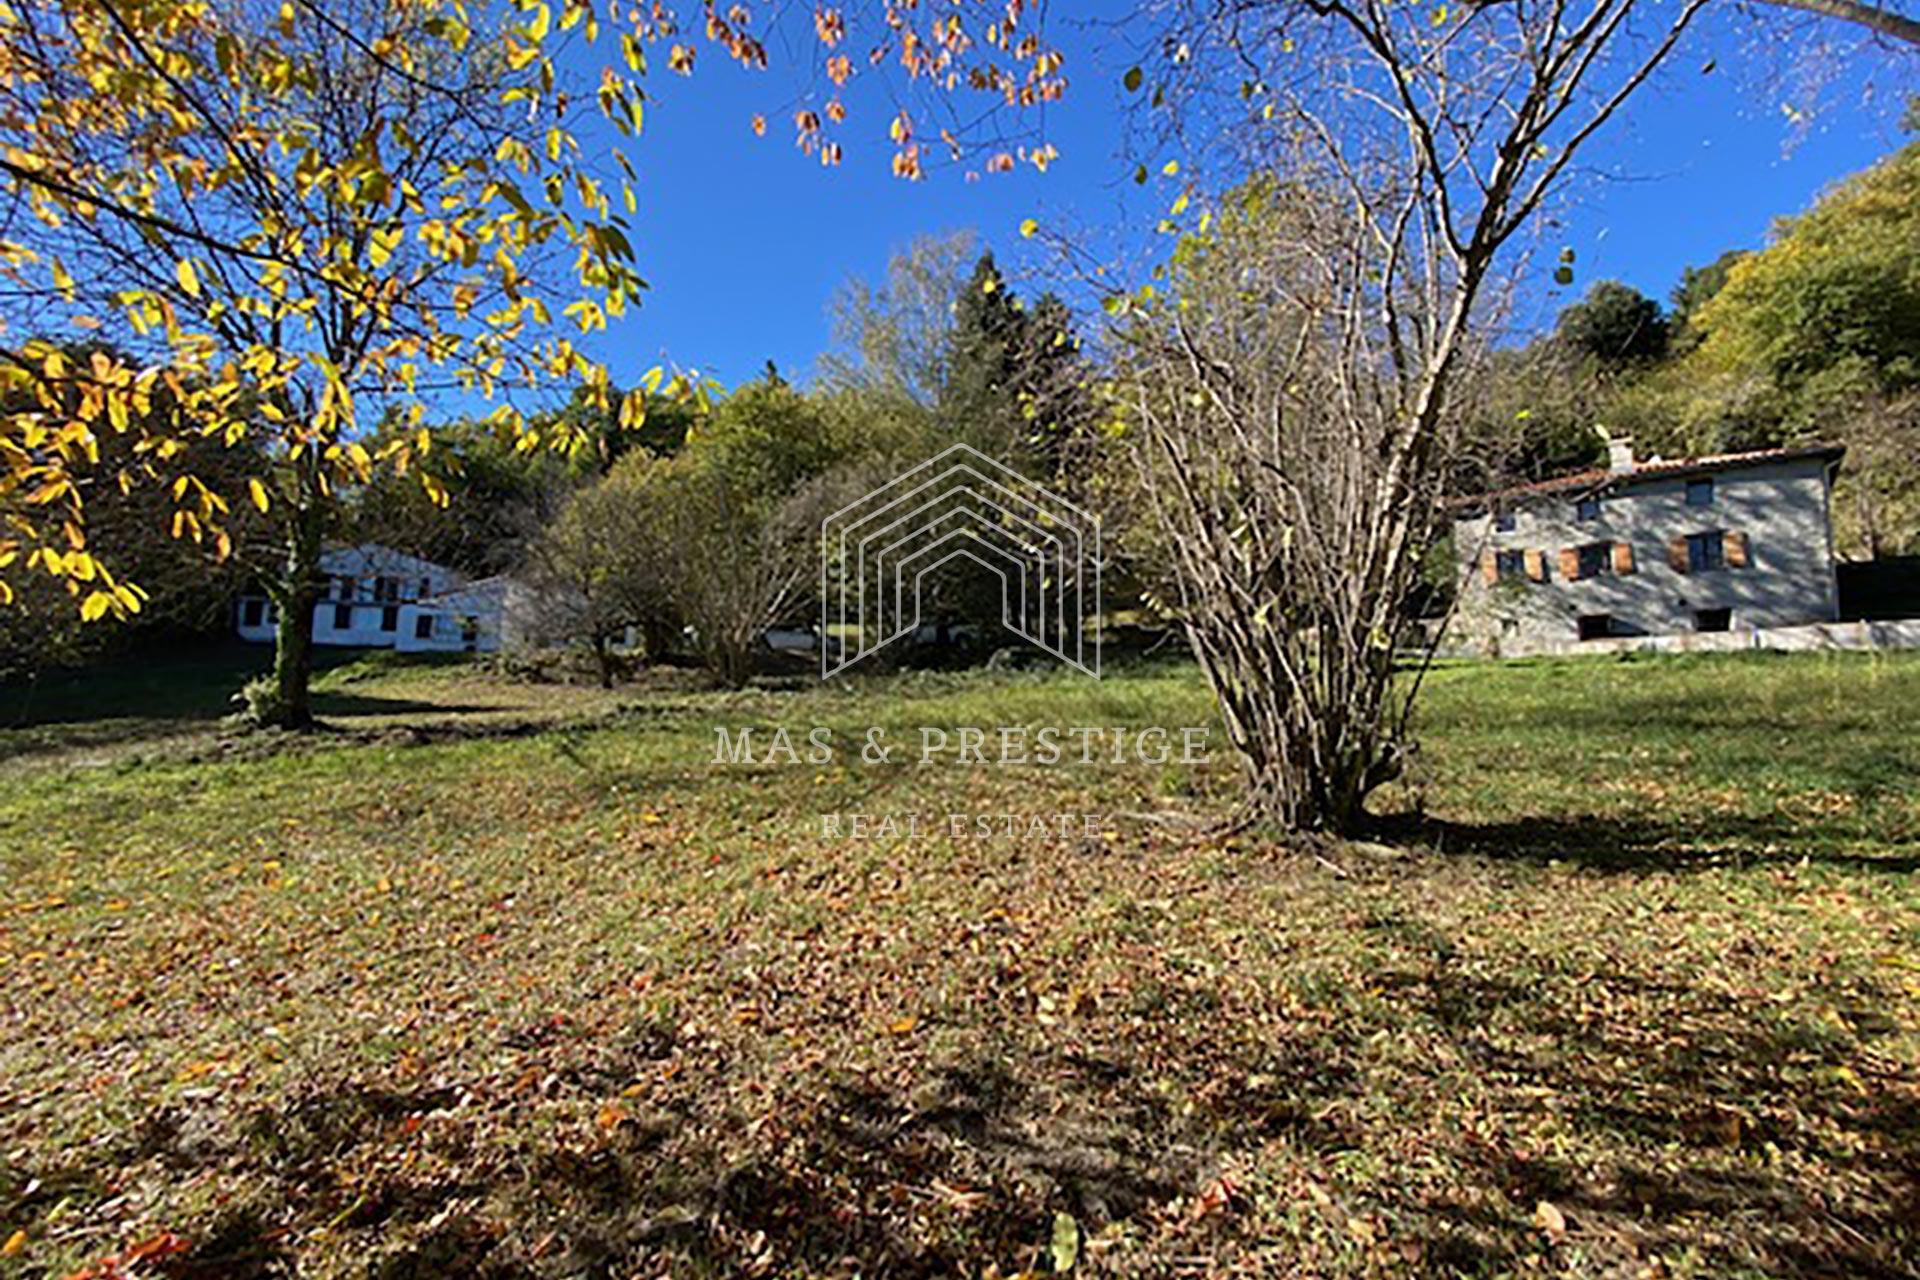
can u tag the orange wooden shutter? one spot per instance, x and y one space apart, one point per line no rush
1734 543
1623 557
1570 564
1536 566
1489 567
1677 554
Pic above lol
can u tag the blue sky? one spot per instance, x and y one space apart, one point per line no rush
745 239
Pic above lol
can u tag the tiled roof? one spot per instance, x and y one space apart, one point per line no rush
1599 479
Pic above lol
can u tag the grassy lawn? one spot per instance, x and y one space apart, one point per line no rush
175 703
1631 987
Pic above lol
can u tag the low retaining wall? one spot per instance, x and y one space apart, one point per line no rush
1812 637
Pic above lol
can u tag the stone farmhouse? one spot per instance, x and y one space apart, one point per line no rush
1736 542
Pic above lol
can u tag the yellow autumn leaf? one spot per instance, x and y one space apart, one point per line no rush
1029 228
15 1243
258 492
189 278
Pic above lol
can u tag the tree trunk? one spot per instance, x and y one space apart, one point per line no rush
291 705
657 638
603 658
735 666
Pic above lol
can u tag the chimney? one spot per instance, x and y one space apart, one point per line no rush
1619 454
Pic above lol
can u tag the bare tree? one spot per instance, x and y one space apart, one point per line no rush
746 561
892 339
1263 438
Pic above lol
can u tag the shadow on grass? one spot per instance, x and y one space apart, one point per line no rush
846 1177
1651 843
328 703
1712 1119
1689 1120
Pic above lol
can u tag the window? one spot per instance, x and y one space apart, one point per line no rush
251 612
1713 619
1510 564
343 588
1705 552
1506 522
1596 558
343 617
423 627
385 589
1587 509
426 587
1596 626
1700 492
390 618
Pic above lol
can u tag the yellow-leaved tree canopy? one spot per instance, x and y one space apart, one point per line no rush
280 223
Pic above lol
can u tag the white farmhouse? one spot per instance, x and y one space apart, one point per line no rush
379 598
1734 542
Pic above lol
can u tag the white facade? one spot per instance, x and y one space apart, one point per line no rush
379 598
1728 544
469 619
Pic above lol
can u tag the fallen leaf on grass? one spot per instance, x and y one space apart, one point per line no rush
1217 1196
1066 1242
1550 1220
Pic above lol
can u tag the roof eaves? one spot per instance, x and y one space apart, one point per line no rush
1596 480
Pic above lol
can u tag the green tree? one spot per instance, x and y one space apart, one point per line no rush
720 537
604 565
895 338
1829 311
1530 414
1616 326
1017 386
501 492
978 399
1876 501
1698 286
767 437
1815 336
